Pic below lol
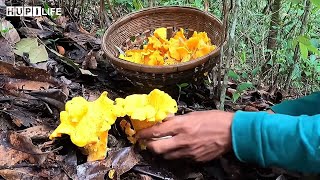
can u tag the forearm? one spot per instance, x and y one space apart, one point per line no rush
277 140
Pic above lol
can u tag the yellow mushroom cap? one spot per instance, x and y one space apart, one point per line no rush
93 121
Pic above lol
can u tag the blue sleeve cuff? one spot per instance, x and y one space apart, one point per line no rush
291 142
245 136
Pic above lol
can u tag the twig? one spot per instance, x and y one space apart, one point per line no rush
226 12
103 15
69 8
74 6
296 50
151 3
206 5
113 13
81 9
19 166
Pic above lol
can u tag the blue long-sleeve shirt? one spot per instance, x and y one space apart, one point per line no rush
289 139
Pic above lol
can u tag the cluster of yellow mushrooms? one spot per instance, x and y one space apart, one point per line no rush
163 51
88 123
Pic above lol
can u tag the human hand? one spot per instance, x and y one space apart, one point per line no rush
201 136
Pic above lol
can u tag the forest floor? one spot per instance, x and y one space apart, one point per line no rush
33 92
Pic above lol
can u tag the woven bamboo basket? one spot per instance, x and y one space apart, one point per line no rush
132 30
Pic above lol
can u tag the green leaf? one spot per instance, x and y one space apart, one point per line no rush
233 75
315 43
318 68
255 71
313 59
30 46
303 50
304 40
183 85
235 96
137 4
244 86
183 93
313 49
296 74
243 57
244 75
198 3
316 2
46 7
308 73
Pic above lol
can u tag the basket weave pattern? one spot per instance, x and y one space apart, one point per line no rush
140 25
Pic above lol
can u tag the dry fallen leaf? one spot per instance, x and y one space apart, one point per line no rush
36 132
54 173
6 52
16 148
82 39
21 117
30 46
62 21
33 33
90 61
27 73
19 84
9 32
121 161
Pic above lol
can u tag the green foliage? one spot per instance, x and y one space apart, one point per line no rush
181 86
306 46
233 75
316 2
100 32
46 9
134 5
4 30
137 4
242 86
240 89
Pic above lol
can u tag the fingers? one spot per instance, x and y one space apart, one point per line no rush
195 154
164 145
167 128
178 153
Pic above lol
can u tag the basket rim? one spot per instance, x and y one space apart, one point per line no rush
157 69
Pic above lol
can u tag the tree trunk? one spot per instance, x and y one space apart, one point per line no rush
273 33
230 44
274 27
303 28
